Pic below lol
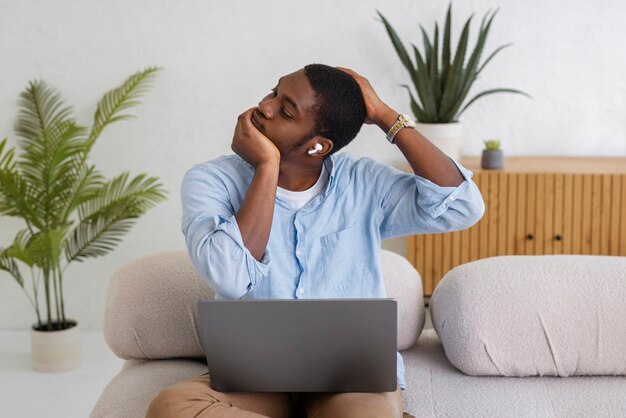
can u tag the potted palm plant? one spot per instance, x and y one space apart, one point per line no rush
442 81
71 212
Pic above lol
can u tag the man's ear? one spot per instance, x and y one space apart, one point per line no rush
327 146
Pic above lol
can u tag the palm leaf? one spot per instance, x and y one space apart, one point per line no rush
96 237
117 196
19 199
8 264
41 108
88 185
7 161
46 246
20 248
112 106
106 219
49 165
7 166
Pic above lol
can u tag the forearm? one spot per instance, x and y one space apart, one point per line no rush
257 210
425 159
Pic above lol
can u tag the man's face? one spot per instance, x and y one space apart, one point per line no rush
287 114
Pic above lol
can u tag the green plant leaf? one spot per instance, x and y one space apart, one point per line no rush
105 219
397 44
470 73
50 182
88 184
19 199
8 264
434 70
423 85
493 55
48 165
41 107
427 50
453 83
7 161
118 196
7 166
97 237
415 107
491 91
446 50
20 249
112 106
45 247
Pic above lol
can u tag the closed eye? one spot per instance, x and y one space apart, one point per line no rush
282 108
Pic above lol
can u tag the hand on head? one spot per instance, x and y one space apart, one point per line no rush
374 106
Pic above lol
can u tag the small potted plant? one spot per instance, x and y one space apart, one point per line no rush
71 212
492 157
442 79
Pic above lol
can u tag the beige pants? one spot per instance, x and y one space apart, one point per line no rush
195 398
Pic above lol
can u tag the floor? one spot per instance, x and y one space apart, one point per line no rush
26 393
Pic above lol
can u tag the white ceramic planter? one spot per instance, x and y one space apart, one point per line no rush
448 137
55 351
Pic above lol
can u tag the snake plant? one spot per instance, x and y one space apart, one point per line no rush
71 212
442 81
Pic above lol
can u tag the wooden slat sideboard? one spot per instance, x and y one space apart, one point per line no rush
535 205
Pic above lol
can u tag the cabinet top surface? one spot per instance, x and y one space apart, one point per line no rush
598 165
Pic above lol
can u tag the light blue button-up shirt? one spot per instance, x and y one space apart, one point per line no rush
329 248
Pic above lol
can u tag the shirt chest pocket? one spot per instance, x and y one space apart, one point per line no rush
345 254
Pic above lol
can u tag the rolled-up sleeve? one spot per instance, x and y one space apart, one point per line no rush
213 238
411 204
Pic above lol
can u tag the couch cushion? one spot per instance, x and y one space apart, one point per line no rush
130 392
559 315
435 388
151 306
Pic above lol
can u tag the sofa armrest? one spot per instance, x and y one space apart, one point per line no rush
543 315
151 308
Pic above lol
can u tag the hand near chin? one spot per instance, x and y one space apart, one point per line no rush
374 106
251 145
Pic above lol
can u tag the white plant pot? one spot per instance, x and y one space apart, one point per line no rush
55 351
448 137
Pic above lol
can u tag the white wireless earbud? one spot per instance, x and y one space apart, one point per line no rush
318 148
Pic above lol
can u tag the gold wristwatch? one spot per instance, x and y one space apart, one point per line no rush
403 121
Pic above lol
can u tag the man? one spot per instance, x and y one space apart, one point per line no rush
287 217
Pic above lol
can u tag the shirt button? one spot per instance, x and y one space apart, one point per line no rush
298 252
301 291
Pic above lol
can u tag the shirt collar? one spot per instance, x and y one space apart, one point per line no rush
329 163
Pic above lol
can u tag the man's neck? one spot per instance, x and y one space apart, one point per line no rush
297 177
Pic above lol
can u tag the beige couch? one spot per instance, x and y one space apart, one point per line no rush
501 318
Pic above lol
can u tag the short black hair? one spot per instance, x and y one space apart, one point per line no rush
340 110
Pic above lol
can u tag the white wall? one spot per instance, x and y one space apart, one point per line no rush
221 57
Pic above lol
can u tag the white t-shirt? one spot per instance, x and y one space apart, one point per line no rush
299 199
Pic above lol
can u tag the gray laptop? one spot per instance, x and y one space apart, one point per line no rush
313 345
